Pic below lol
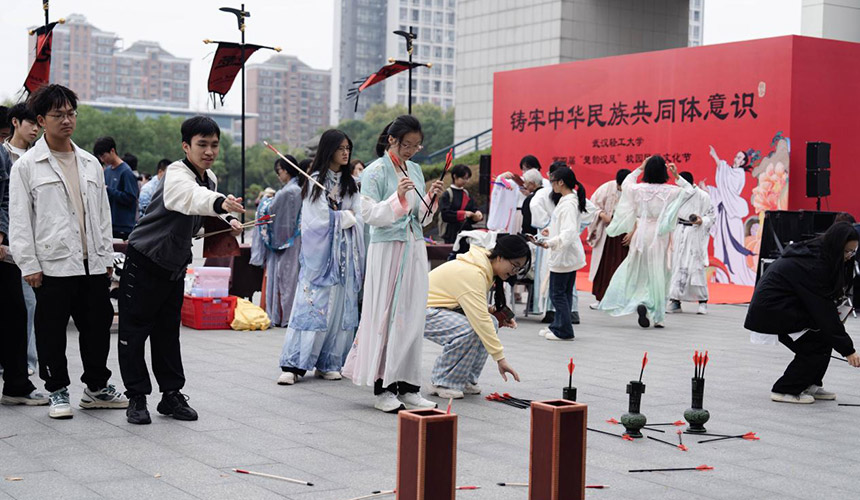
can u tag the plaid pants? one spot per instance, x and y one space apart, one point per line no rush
463 354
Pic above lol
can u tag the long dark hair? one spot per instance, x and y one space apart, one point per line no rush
553 196
655 171
509 247
833 254
401 126
329 142
293 172
566 175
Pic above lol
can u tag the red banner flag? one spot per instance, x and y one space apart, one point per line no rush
40 72
226 65
386 71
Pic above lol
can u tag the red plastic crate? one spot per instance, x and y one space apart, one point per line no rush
208 313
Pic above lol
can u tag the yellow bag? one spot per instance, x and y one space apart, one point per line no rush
249 317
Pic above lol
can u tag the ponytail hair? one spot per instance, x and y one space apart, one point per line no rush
401 126
509 247
566 175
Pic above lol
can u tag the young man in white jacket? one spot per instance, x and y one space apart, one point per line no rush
159 251
60 232
566 253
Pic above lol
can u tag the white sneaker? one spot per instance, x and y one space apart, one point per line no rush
673 307
445 392
31 372
60 407
328 375
594 306
388 403
818 392
287 378
802 398
659 324
551 336
414 401
35 398
108 397
472 389
703 308
543 331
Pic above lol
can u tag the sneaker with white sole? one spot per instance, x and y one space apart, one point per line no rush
287 378
414 401
703 308
674 307
108 397
802 398
60 407
328 375
551 336
818 392
594 306
445 392
388 402
643 320
543 331
35 398
472 389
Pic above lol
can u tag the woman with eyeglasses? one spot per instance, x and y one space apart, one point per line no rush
796 303
325 308
386 353
459 319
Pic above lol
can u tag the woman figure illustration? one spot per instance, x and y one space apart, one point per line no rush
731 208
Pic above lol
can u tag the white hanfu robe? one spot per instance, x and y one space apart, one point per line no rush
391 332
643 277
690 250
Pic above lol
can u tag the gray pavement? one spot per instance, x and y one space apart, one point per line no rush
328 433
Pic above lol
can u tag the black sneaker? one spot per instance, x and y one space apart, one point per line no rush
175 404
574 318
136 413
549 317
643 316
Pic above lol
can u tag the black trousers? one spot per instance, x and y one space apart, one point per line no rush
395 388
561 287
86 300
150 306
811 359
13 333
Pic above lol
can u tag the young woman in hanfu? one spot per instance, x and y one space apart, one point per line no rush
387 349
650 211
325 310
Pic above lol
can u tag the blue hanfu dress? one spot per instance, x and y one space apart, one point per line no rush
325 310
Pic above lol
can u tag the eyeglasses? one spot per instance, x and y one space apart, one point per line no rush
517 269
344 149
411 147
71 115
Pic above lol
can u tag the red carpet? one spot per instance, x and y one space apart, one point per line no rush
720 293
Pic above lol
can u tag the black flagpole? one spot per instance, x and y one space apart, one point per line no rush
409 49
240 16
242 55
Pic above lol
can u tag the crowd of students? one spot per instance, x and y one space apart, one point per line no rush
346 265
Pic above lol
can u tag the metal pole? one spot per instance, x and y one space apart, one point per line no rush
409 49
242 55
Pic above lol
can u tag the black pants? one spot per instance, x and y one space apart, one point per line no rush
150 306
395 388
13 333
811 358
561 294
86 300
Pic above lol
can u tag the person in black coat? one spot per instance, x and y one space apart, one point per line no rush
458 210
799 294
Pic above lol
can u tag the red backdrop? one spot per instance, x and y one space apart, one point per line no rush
762 97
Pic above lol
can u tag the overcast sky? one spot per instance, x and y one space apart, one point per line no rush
301 27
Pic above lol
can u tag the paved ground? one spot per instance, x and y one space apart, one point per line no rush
328 433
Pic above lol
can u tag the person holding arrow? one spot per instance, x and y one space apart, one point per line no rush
152 286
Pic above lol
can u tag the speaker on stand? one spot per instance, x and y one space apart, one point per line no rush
817 171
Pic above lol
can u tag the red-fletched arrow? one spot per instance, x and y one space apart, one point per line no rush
613 421
704 364
696 364
644 362
701 467
626 437
570 367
